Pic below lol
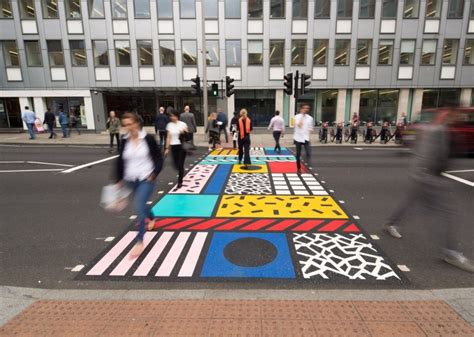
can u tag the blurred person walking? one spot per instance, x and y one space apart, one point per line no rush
50 121
244 127
233 129
73 123
213 129
161 120
278 125
187 117
29 117
222 118
139 163
301 135
176 135
113 126
63 121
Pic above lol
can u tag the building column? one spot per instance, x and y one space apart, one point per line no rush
355 105
341 104
230 106
466 97
417 103
89 112
40 107
403 100
279 101
95 106
292 111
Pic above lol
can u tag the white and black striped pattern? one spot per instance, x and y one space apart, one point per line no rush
297 184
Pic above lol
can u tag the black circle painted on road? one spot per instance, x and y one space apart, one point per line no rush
250 167
250 252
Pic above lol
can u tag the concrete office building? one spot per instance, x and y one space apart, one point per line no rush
378 58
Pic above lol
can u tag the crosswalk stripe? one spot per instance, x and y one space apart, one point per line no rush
170 260
189 264
154 254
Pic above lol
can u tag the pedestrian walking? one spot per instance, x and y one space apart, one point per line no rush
139 163
113 126
29 117
73 123
50 121
212 129
244 127
63 121
187 117
222 118
233 129
278 125
301 135
176 135
161 120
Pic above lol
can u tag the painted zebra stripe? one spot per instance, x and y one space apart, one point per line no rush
170 260
189 264
154 254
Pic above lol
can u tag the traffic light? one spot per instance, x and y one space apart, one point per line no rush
197 85
229 87
297 83
305 82
215 89
288 83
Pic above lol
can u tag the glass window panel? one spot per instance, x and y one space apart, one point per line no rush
122 53
342 52
78 53
6 9
165 9
367 105
449 97
364 52
73 9
366 9
298 52
277 52
50 9
407 52
119 9
10 52
212 48
96 9
187 9
433 8
472 15
385 52
430 99
322 9
55 53
167 57
428 52
255 50
277 8
33 53
455 9
389 8
27 9
300 9
387 105
255 8
142 8
326 105
233 53
411 9
212 9
450 51
469 52
344 8
145 53
189 53
232 9
320 52
101 54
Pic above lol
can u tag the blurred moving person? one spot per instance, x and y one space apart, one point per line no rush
244 127
50 121
176 134
73 123
278 125
113 126
63 121
301 135
222 118
29 117
187 117
161 120
233 129
213 129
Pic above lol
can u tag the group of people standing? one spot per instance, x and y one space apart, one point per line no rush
67 122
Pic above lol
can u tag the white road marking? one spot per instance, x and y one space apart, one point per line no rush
110 238
342 201
332 191
77 268
37 170
375 237
461 180
459 171
382 148
149 202
356 217
358 148
72 169
133 217
402 267
52 164
12 162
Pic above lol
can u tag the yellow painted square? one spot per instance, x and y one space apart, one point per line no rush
260 206
238 169
225 152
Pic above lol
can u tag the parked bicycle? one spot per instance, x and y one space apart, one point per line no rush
336 135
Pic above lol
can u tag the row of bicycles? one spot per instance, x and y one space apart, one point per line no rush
352 132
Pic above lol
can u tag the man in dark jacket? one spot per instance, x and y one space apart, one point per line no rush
222 117
50 121
161 120
188 117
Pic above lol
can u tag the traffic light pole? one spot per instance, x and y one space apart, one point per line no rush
204 66
296 92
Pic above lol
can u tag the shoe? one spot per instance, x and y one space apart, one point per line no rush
298 171
392 231
50 137
458 260
137 250
151 225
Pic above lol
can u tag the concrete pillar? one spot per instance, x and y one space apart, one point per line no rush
89 112
40 107
466 97
417 103
279 101
403 100
355 105
292 111
97 106
25 101
341 104
230 106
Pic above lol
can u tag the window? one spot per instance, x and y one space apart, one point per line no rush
27 9
142 9
300 9
342 52
428 52
10 53
55 53
96 9
167 53
437 98
232 9
344 9
472 15
366 9
320 52
364 52
189 53
33 54
122 53
212 48
119 9
389 9
165 9
255 8
50 9
411 9
407 52
385 52
73 9
322 9
378 105
298 52
255 50
145 53
469 52
433 9
455 9
101 54
6 9
233 53
212 9
450 51
187 9
326 105
78 53
277 52
277 9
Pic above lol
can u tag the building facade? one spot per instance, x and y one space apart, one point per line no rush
378 58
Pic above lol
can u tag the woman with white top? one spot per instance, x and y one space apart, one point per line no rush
278 125
139 163
176 132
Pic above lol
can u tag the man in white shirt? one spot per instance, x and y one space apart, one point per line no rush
278 125
29 117
301 136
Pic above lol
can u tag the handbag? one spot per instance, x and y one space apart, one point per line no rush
185 140
114 198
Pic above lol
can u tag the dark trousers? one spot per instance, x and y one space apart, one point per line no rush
51 130
64 129
223 129
244 150
307 150
74 126
276 136
117 137
162 134
179 156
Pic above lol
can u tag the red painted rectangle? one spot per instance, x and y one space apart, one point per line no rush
166 221
208 224
281 226
233 224
332 226
185 223
352 228
307 225
255 226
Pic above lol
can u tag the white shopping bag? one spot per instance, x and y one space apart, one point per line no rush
114 198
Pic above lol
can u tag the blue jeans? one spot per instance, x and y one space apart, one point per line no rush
64 128
30 130
142 192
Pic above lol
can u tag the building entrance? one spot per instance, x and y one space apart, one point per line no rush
10 113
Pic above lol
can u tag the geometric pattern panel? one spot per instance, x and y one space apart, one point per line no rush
220 160
270 151
285 167
195 180
224 152
294 184
243 183
185 205
257 151
249 168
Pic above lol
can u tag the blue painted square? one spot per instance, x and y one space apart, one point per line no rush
269 151
217 264
185 205
218 179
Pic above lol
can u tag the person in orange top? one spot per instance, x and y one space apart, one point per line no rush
244 126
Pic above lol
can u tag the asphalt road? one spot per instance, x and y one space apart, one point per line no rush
51 222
